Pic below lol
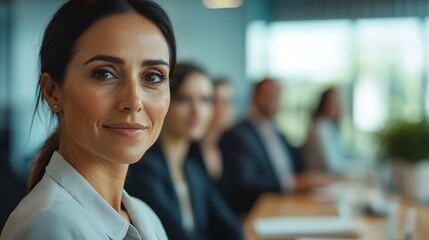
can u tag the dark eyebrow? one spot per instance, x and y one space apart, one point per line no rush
152 62
105 58
117 60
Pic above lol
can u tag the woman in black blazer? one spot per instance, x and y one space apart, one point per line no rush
170 177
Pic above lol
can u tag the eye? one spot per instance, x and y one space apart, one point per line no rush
154 77
182 99
103 74
208 99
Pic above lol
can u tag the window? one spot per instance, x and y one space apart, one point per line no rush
377 64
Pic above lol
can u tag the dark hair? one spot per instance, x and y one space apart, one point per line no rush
221 81
183 70
323 102
60 41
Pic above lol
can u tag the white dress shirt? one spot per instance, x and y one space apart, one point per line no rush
63 205
279 156
184 197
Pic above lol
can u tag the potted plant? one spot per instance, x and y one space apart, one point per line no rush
406 145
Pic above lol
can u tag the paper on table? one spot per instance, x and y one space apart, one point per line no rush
306 227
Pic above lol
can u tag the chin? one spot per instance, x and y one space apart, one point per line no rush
127 156
196 136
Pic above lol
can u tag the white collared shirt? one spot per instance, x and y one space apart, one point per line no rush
63 205
279 156
187 212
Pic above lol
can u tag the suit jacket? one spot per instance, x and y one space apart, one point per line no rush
150 180
63 205
248 171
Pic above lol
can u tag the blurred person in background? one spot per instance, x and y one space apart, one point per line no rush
105 67
323 150
171 178
223 117
259 157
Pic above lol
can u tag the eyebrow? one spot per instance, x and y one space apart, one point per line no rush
117 60
152 62
105 58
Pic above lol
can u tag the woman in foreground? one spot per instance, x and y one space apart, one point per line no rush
105 70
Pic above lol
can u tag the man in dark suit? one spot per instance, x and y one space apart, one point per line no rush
257 157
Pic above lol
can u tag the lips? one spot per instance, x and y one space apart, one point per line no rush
126 129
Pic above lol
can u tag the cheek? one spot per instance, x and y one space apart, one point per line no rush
220 110
176 116
156 109
77 110
222 114
207 113
181 111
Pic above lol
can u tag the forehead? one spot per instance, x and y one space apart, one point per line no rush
197 82
269 87
223 90
127 35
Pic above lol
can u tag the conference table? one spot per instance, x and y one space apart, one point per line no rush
306 204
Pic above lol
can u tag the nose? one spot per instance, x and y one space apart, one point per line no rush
130 95
194 109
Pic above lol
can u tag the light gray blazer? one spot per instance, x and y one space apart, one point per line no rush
63 205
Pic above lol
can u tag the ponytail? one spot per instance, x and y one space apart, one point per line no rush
51 145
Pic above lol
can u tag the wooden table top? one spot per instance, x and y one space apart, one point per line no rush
371 228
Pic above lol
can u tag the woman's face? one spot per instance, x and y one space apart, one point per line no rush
223 107
116 93
191 108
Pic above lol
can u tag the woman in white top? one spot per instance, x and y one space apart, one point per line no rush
105 70
324 150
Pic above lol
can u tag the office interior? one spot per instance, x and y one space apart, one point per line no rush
375 52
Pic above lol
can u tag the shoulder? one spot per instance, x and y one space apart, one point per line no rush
47 212
143 208
325 127
56 222
152 158
146 176
242 125
195 166
151 163
238 131
323 122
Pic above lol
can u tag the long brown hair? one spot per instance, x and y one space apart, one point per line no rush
51 144
323 104
59 46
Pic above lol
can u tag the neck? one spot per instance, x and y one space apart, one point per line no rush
106 177
212 136
255 114
175 148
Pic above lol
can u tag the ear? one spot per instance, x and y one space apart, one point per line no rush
51 92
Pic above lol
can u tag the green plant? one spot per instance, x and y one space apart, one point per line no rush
405 141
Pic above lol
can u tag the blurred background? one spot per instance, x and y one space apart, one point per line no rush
375 52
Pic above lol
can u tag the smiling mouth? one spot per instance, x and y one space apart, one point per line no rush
126 129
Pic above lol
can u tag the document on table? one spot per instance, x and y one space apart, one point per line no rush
306 227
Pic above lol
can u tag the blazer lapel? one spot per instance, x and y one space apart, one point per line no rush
197 191
259 144
171 190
